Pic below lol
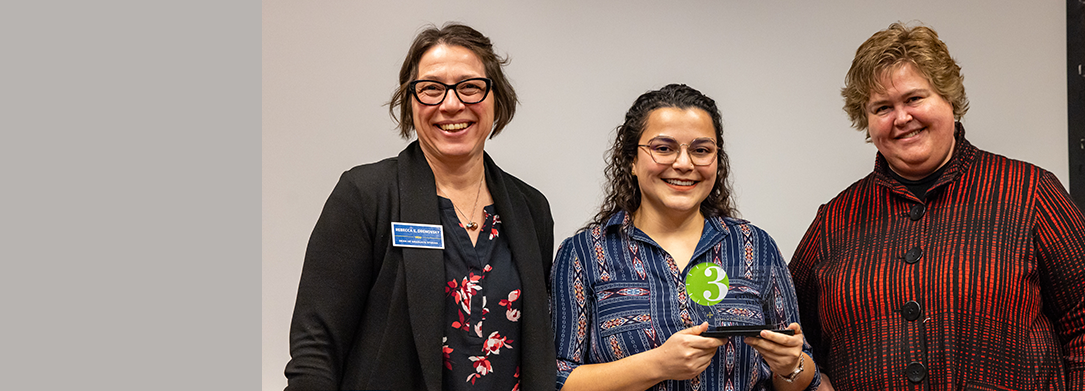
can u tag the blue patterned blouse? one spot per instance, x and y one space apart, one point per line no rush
617 293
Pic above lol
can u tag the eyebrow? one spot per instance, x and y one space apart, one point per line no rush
461 78
911 92
917 90
663 136
875 103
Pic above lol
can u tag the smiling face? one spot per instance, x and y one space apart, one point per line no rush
910 124
680 187
452 130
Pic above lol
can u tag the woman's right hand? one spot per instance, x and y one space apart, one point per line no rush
682 357
685 354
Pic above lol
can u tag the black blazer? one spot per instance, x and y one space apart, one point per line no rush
368 315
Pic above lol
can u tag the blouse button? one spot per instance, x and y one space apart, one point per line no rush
917 212
915 371
911 310
913 255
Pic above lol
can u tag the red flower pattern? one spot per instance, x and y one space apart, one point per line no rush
493 228
511 314
462 292
448 353
495 342
482 368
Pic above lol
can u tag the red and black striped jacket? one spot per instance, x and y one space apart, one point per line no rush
979 286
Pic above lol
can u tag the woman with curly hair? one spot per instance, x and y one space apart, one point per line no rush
635 292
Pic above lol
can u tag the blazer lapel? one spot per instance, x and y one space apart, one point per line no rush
518 227
424 268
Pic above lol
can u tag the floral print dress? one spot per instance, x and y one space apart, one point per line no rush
482 307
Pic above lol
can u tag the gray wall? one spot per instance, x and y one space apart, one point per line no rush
774 67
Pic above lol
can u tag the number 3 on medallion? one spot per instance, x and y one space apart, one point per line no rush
707 283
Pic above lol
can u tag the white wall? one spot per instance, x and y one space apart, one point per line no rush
774 67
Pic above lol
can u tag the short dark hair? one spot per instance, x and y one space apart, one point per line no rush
453 34
622 192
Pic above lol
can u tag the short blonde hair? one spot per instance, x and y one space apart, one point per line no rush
890 49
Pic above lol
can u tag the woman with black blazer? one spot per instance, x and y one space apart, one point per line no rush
429 270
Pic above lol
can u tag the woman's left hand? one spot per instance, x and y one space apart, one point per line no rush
780 351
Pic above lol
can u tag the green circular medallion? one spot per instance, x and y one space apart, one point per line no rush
707 283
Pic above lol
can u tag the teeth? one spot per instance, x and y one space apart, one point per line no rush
912 133
679 182
450 127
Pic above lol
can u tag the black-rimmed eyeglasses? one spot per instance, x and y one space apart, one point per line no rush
432 93
665 150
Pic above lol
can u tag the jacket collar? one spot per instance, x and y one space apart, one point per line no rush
423 268
964 154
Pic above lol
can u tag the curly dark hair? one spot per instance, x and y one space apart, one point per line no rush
622 191
453 34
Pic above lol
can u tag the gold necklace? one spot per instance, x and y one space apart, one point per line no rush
471 225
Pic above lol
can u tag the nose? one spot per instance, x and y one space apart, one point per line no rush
452 102
903 116
683 160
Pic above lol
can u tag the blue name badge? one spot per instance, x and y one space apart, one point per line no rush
418 235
